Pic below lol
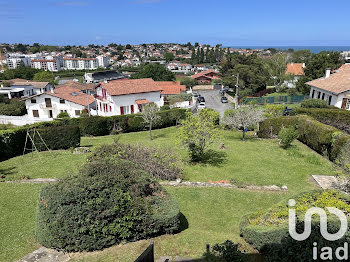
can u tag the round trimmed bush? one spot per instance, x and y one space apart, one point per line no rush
108 202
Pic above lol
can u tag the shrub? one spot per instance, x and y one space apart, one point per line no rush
322 138
12 142
12 107
269 232
330 116
108 202
228 251
274 110
314 103
58 137
94 126
161 164
63 115
287 135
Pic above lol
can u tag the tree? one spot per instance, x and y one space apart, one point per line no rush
252 73
188 82
150 116
169 56
197 133
44 76
318 63
276 67
155 71
243 118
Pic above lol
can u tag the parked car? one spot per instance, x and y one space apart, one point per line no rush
224 99
201 105
222 92
200 99
195 94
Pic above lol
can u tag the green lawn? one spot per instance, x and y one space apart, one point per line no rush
212 213
17 218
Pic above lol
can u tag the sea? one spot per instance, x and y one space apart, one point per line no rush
313 49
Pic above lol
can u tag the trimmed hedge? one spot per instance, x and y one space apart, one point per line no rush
107 203
324 139
12 141
334 117
314 103
270 235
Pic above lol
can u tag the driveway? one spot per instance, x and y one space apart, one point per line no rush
213 101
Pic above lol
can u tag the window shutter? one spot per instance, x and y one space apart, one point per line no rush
122 110
132 109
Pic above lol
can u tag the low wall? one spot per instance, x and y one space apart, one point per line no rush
21 120
203 87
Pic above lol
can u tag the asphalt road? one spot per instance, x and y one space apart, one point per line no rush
213 101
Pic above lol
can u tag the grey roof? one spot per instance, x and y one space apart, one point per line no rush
100 76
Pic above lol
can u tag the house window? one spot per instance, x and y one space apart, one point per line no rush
329 100
35 113
62 101
77 112
323 96
33 101
319 95
348 105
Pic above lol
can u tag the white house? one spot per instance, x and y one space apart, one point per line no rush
62 99
126 96
16 91
296 70
333 88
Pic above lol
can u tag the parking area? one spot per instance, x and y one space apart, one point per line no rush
213 100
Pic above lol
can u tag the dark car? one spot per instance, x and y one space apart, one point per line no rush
195 94
200 99
222 92
224 99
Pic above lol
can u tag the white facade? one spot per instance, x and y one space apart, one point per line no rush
47 65
336 100
80 63
103 61
15 62
17 91
124 104
47 106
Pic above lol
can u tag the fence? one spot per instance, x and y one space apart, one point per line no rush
147 255
21 120
274 99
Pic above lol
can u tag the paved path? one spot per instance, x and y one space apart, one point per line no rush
325 182
213 101
44 254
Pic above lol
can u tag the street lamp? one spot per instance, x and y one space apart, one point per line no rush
237 87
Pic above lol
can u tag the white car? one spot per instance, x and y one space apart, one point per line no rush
201 105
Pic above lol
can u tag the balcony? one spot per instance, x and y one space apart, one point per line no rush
47 106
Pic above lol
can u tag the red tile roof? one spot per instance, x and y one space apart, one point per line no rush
130 86
73 95
296 69
170 87
141 101
345 66
336 83
205 74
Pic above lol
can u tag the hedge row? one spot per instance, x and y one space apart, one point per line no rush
12 141
326 140
99 126
334 117
274 241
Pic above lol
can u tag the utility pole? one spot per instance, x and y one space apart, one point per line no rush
237 89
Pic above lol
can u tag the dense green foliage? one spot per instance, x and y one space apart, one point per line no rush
333 117
287 135
12 107
268 232
198 132
22 72
12 141
63 115
94 125
160 164
108 202
155 71
45 76
324 139
251 69
314 103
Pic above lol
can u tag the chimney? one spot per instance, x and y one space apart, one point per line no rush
51 90
328 73
106 81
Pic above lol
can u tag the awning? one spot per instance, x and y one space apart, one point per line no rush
142 101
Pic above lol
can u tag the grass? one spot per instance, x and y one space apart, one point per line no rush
17 217
212 214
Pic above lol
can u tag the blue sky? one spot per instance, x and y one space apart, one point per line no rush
231 23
